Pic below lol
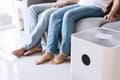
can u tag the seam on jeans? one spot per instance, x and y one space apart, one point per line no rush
53 50
68 50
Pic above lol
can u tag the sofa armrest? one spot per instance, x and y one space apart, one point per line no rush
27 3
30 2
89 23
115 26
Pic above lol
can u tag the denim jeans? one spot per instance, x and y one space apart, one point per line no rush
38 27
63 22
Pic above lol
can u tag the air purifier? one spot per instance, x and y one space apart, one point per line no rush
95 55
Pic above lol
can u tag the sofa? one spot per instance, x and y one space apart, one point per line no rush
83 24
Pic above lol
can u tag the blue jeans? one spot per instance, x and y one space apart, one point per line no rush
63 22
38 27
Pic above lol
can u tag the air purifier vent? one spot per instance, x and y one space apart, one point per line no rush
103 37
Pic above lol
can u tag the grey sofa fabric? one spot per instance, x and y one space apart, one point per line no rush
83 24
30 2
112 26
89 23
117 15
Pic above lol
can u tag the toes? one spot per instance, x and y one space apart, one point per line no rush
44 58
59 59
52 61
27 53
19 52
13 52
38 62
41 60
33 50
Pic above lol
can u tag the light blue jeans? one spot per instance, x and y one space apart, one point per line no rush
38 27
63 22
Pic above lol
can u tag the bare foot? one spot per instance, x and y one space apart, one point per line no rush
59 59
20 52
33 50
46 57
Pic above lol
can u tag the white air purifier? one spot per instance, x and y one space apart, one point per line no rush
95 55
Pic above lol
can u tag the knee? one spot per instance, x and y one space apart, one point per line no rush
68 15
31 8
54 16
46 13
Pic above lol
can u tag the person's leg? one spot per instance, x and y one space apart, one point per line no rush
38 31
54 30
31 43
33 12
69 26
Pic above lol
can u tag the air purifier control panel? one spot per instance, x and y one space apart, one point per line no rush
85 59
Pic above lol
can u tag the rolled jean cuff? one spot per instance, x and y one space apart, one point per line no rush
52 52
27 47
62 52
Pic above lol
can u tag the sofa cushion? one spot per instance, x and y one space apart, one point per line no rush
117 15
89 23
112 26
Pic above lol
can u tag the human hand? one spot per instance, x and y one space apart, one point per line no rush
109 18
60 4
